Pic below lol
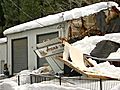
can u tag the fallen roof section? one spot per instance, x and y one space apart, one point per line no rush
60 17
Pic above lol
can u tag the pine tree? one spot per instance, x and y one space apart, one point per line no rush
2 20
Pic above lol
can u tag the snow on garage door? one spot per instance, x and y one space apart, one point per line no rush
19 55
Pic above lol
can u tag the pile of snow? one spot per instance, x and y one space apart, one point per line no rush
8 85
87 44
113 37
12 83
25 75
61 17
106 69
115 55
46 69
38 86
3 40
117 87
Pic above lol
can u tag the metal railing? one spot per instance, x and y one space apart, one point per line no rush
92 84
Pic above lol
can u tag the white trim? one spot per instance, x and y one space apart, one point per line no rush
3 40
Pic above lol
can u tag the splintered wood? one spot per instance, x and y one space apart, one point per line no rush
94 24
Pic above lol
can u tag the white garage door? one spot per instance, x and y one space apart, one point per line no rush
19 55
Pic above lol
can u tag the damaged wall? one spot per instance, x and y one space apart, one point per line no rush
103 22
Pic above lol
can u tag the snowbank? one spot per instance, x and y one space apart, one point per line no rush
87 44
8 85
72 84
60 17
11 85
25 75
38 86
106 69
115 55
117 87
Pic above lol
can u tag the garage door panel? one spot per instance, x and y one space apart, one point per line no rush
42 38
19 55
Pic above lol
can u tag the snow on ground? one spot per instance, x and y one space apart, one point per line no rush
24 77
38 86
8 85
12 83
117 87
69 84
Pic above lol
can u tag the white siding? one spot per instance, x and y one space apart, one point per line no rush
32 41
3 56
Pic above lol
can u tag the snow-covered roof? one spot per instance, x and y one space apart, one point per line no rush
3 40
61 17
118 8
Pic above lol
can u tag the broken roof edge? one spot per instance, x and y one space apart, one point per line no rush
61 17
3 40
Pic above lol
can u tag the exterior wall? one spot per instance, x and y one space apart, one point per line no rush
32 41
3 56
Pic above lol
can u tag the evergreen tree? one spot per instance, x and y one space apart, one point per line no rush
2 20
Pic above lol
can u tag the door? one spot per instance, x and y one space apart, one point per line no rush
42 38
19 55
